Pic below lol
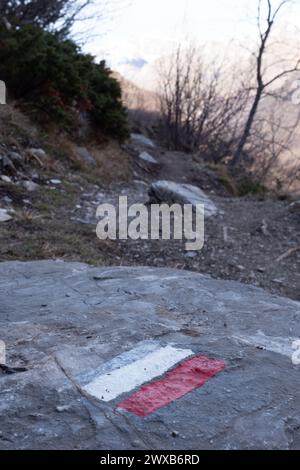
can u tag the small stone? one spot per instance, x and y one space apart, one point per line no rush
7 199
38 153
137 443
191 254
15 157
35 175
8 165
4 216
30 186
175 433
56 182
294 207
62 408
241 267
261 270
6 179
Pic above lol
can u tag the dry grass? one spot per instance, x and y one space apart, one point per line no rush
42 225
112 162
45 230
15 128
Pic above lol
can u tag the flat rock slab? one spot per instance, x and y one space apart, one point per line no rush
141 358
171 192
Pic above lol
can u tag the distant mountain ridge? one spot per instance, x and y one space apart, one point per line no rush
135 97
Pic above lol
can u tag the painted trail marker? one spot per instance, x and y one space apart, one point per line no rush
130 376
168 372
188 376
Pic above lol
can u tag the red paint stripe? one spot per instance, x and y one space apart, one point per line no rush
186 377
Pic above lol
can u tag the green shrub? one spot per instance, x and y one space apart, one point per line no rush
248 186
55 79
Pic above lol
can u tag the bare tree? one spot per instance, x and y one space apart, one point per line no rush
197 111
262 82
54 15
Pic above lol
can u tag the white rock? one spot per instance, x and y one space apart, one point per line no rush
63 408
56 182
4 216
141 139
6 179
171 192
146 157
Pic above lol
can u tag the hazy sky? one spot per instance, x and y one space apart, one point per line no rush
149 28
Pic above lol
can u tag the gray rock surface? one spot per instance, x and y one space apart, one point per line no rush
141 139
171 192
62 321
147 162
146 157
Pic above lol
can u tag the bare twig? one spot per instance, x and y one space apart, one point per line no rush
288 253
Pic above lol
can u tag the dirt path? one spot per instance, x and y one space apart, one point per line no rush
244 242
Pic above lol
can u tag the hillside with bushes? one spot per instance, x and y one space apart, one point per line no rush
55 83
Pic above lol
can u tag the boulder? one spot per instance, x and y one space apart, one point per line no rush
70 330
171 193
86 157
141 139
147 162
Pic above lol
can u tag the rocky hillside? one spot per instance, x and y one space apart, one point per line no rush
50 188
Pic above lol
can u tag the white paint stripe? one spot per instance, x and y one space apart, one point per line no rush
109 386
141 350
277 344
